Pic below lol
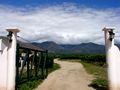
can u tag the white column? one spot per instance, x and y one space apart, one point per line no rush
3 65
12 60
0 47
113 61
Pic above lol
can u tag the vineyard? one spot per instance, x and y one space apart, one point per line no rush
98 59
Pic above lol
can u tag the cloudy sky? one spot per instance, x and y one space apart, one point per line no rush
62 21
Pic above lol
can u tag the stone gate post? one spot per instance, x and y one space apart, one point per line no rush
8 60
113 59
11 57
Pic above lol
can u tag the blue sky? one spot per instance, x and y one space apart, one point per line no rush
88 3
61 21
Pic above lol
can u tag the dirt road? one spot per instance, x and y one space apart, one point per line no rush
71 76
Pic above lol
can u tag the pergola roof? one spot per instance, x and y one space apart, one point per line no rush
23 45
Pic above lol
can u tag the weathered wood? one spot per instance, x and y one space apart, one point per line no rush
42 65
28 74
36 61
17 66
35 58
46 63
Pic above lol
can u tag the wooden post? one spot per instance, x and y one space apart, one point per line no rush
35 58
39 62
46 63
28 69
17 65
42 65
31 71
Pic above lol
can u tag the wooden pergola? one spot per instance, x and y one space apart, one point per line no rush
35 61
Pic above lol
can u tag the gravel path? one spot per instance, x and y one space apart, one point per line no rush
71 76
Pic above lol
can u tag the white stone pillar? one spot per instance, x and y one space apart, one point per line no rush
113 61
11 74
0 47
3 64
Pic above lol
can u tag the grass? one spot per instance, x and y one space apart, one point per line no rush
97 71
30 85
55 67
100 73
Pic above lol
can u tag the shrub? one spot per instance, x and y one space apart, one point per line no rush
50 61
100 83
24 87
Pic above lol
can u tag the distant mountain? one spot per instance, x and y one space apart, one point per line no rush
50 46
86 48
118 45
68 48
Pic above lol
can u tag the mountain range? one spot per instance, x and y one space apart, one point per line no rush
84 48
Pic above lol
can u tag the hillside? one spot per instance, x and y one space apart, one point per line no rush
68 48
85 48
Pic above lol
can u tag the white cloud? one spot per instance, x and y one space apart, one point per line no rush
62 24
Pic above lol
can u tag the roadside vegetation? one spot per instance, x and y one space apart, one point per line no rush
94 64
32 84
29 85
100 73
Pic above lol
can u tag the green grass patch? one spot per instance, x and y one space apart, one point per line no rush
29 85
97 71
55 67
103 83
100 74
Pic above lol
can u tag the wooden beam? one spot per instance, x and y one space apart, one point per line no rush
28 61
